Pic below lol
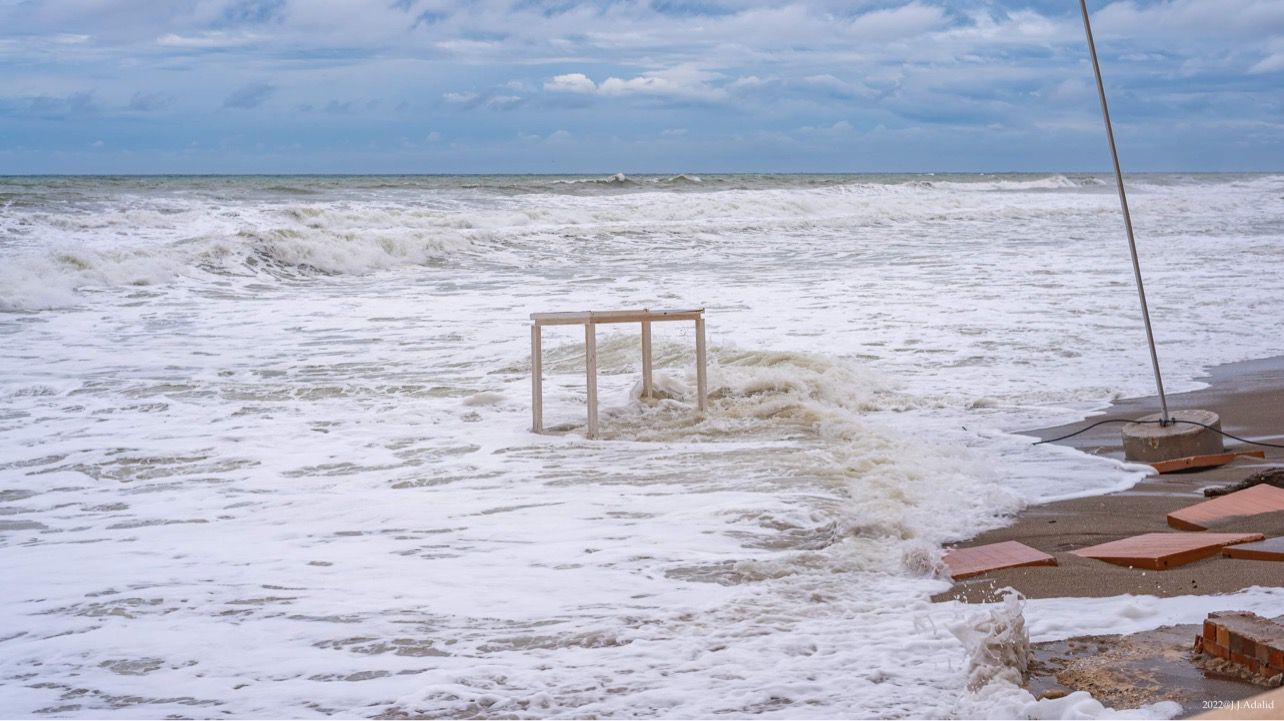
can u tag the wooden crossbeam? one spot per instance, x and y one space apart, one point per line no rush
615 316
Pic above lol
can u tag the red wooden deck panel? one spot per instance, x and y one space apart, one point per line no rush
1158 551
1272 549
1193 462
1248 502
968 562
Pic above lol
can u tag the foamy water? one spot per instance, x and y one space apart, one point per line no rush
264 447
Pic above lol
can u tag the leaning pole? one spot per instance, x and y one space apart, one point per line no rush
1162 436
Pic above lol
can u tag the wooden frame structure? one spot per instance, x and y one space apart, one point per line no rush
590 320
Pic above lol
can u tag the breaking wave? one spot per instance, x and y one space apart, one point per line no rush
894 487
983 184
84 238
254 359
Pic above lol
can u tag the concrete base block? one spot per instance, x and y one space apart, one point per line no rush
1151 442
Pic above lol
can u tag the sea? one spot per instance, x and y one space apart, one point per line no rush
265 444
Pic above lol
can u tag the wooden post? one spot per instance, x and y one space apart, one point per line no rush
590 370
648 387
537 381
702 380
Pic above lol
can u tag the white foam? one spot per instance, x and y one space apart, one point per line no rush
290 474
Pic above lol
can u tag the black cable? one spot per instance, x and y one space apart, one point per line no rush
1174 420
1083 430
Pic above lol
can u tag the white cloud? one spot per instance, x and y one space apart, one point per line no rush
206 40
502 102
571 83
828 82
780 63
640 85
1269 64
897 23
842 127
1190 18
557 136
465 46
685 81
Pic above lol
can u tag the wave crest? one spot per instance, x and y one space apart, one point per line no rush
895 488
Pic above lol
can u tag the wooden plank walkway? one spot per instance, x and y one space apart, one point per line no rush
1251 501
1159 551
968 562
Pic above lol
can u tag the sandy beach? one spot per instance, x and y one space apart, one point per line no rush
1249 397
1130 670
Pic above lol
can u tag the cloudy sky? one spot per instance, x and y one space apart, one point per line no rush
441 86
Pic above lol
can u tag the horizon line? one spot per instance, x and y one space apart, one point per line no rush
519 174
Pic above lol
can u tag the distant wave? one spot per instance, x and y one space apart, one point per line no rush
290 242
620 181
680 179
1053 182
617 179
61 243
291 190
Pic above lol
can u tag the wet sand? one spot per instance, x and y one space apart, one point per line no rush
1129 671
1249 397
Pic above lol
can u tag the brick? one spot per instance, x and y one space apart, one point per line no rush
1254 643
1210 629
1251 664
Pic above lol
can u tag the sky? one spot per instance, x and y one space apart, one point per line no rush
635 86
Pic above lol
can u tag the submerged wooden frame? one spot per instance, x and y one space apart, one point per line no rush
590 320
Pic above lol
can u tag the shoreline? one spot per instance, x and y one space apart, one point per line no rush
1249 396
1135 669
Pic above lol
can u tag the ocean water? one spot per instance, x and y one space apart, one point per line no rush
264 444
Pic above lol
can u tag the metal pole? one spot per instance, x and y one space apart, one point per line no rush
1123 203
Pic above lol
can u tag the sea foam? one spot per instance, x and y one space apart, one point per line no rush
265 448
